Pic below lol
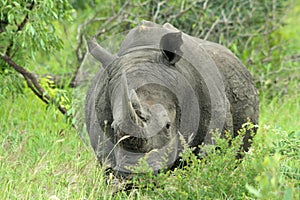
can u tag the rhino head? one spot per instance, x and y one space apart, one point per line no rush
147 100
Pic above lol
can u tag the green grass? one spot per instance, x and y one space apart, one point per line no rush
42 157
281 111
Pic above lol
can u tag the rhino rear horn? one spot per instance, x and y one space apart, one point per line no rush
170 46
101 54
137 106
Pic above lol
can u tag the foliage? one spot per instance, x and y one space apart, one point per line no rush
58 95
219 175
11 84
253 30
219 21
27 26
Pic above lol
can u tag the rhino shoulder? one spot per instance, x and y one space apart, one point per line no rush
239 85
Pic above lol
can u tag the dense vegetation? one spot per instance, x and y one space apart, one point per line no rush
43 55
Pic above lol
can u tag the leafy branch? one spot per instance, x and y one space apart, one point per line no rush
20 27
32 82
23 37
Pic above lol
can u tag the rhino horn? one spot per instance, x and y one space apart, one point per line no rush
128 111
137 106
101 54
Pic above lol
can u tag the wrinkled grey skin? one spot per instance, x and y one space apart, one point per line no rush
163 90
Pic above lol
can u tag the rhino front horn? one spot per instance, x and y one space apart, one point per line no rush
128 111
101 54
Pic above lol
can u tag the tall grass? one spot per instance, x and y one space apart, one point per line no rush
42 157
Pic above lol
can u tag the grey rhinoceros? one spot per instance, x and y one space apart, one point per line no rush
163 90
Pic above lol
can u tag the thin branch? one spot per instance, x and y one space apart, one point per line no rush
103 29
211 28
31 81
292 58
159 4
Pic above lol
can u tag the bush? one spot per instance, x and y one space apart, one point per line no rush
265 172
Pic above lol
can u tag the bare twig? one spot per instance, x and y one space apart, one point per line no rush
211 28
292 58
159 4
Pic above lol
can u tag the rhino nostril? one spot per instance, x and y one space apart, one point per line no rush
168 125
113 126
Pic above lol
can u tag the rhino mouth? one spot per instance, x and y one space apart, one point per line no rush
143 144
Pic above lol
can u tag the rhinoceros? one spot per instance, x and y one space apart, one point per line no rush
162 91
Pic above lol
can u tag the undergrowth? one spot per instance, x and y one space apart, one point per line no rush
270 170
42 157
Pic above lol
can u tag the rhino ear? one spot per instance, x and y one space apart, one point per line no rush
101 54
170 46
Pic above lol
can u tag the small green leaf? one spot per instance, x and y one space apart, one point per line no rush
31 29
42 43
11 28
11 18
55 15
16 4
252 190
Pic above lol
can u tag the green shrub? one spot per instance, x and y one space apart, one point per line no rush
265 172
